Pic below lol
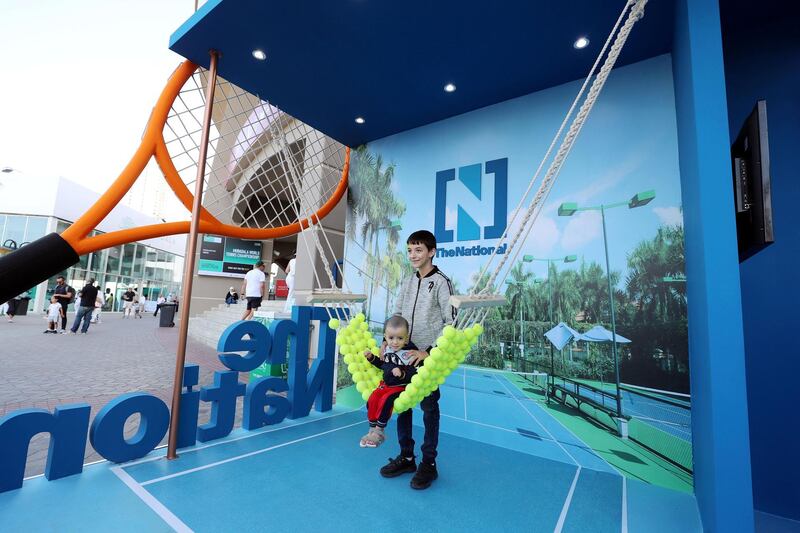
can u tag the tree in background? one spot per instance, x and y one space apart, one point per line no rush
372 207
648 264
396 268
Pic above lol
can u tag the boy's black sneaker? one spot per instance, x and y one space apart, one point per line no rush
425 475
398 466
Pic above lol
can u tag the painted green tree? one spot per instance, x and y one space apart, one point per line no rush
372 206
648 264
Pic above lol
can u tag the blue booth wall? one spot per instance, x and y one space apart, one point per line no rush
762 61
716 345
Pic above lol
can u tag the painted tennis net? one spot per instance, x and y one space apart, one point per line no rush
658 420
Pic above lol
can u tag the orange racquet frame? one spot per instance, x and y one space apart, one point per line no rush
153 145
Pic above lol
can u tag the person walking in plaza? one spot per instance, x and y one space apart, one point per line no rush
136 307
12 304
253 286
55 312
127 302
88 297
290 268
64 295
98 307
424 300
142 305
161 300
109 301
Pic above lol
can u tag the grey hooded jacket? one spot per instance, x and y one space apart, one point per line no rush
425 303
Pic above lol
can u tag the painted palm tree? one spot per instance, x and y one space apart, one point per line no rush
396 268
372 206
567 289
519 293
648 264
594 292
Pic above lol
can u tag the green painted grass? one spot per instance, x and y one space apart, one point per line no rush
629 458
349 397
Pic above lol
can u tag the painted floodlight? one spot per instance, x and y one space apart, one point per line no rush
642 198
567 209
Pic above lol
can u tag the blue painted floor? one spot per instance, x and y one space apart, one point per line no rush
504 464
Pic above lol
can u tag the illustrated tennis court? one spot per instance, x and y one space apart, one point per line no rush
504 463
667 412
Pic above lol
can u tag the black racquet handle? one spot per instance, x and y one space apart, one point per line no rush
32 264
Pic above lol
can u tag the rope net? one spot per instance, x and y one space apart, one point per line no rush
264 169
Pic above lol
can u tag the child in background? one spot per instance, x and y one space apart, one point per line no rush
397 373
54 314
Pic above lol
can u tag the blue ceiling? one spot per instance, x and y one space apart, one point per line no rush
329 61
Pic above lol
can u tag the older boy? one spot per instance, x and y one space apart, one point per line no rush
424 300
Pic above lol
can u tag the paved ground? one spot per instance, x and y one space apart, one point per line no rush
114 357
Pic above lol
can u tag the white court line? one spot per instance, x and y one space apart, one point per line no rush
490 426
624 505
245 455
576 437
540 424
250 434
565 509
165 514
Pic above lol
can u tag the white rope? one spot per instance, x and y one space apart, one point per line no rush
534 208
636 13
557 136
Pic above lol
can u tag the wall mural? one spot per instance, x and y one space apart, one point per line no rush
462 178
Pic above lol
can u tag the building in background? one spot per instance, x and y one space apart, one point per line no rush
32 207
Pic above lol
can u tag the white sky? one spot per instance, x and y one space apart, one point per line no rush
78 80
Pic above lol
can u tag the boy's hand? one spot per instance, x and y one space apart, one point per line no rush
396 372
417 356
368 355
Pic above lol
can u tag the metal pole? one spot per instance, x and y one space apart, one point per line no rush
521 327
613 321
188 269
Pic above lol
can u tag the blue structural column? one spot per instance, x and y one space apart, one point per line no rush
716 345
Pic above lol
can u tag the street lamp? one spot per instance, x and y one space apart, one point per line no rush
571 258
521 324
567 209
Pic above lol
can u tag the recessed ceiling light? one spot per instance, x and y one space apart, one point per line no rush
259 54
581 42
449 88
360 120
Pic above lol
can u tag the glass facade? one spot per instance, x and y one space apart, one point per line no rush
151 271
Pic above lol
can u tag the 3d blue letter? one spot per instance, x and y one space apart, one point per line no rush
233 340
190 406
223 407
107 434
306 386
257 398
67 426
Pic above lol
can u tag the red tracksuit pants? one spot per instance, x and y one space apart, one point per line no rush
381 402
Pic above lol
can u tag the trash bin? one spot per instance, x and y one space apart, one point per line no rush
22 306
167 315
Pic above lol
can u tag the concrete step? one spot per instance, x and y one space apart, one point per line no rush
209 326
